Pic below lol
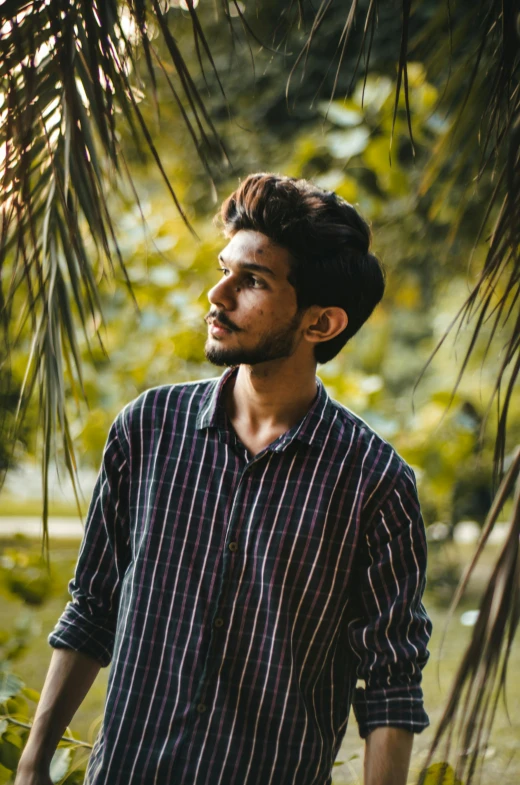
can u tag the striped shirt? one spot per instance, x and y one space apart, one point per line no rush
240 598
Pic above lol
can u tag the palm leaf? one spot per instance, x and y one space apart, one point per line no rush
480 680
63 74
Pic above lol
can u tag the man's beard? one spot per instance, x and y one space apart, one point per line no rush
273 346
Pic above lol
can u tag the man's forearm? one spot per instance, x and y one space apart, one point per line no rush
387 756
68 680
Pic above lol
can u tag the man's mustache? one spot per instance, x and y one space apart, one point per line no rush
222 319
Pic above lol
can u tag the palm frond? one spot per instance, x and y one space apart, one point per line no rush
480 680
64 74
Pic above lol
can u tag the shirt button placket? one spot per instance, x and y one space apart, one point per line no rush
235 511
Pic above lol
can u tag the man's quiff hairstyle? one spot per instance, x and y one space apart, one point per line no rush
328 241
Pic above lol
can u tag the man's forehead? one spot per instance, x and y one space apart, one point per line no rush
250 246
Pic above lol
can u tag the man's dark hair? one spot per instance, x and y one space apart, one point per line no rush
328 241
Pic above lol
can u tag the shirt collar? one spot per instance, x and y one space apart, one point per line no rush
312 428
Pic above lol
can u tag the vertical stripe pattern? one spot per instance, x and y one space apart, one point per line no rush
239 599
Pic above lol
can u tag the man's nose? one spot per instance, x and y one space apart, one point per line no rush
222 295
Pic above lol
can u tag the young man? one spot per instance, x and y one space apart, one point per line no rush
252 547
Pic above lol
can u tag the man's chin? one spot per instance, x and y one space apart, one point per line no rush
219 356
231 359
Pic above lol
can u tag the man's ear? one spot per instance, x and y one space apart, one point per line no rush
325 323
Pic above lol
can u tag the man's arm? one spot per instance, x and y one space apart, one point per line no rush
389 631
84 635
387 756
68 680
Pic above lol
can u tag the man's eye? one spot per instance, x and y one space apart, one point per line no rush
250 280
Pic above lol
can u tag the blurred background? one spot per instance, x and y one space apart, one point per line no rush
387 374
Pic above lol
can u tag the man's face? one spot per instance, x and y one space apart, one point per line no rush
254 316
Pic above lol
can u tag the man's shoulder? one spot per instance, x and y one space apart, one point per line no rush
382 474
378 456
182 398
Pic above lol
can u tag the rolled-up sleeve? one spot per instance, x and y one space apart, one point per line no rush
390 632
88 622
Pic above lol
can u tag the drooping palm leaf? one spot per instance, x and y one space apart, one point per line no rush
481 677
64 72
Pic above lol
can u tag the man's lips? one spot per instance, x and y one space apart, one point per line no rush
214 322
217 328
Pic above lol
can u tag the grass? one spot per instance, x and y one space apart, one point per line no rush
503 760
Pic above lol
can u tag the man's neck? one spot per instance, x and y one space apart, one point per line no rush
270 397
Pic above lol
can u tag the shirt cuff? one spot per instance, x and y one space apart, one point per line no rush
396 707
79 632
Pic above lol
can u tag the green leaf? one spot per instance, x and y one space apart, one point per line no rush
9 755
17 707
10 685
5 775
13 739
440 774
32 695
60 763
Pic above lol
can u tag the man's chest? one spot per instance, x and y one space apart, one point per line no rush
286 525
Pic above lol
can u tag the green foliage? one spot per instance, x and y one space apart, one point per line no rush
440 774
26 576
5 774
10 687
14 643
67 765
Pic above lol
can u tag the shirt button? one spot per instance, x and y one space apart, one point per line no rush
233 546
219 622
201 708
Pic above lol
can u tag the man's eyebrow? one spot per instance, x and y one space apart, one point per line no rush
251 266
